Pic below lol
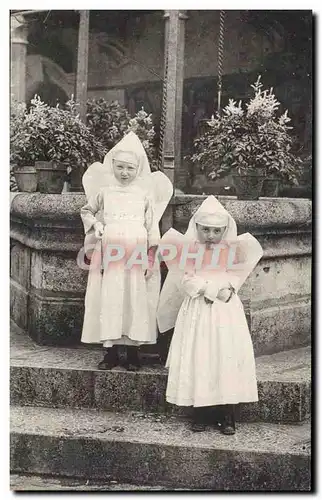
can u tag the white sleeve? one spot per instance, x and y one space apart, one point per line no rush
151 224
193 285
89 211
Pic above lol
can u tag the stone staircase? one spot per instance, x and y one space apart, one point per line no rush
73 423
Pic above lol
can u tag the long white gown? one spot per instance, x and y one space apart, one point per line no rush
116 302
120 303
211 359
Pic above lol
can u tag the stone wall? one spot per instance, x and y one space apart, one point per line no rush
47 286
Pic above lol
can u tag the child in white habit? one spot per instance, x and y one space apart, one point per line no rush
117 310
211 360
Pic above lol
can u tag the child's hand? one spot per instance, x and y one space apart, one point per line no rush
224 294
99 230
208 301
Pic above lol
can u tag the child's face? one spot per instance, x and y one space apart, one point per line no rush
124 172
210 235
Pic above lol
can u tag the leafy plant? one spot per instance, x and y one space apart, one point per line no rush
110 121
142 126
46 133
252 138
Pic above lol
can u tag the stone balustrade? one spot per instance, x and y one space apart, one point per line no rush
47 286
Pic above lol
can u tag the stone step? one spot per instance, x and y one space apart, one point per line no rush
30 482
67 377
158 450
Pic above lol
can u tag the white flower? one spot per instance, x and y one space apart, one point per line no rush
233 109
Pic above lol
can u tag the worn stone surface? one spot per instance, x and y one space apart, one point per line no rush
128 447
57 272
281 325
55 319
49 228
51 207
21 482
19 304
254 216
278 278
20 264
68 377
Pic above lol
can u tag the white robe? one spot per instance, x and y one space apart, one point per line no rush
118 309
211 359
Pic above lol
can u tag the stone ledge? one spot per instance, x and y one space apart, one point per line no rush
68 377
102 445
50 207
264 213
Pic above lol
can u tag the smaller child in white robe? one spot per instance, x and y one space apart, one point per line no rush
211 359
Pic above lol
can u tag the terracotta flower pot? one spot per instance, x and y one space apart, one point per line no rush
270 187
26 178
248 187
75 178
51 176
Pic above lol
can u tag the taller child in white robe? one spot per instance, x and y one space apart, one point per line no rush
211 359
117 307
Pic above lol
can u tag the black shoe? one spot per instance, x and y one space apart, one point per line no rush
228 421
199 420
132 363
198 427
110 359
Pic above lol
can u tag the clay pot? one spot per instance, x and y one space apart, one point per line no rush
51 176
26 178
270 187
75 179
248 187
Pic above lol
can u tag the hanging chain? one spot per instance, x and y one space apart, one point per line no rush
164 109
220 55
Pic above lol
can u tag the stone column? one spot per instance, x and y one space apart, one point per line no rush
82 62
174 61
173 97
19 41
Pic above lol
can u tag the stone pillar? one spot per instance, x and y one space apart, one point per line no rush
173 96
19 41
174 61
82 62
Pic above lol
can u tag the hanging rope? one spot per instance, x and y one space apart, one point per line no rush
164 109
220 55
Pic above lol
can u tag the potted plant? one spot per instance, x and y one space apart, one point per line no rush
252 143
110 121
142 126
57 141
22 167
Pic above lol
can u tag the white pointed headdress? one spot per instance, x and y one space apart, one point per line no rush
212 213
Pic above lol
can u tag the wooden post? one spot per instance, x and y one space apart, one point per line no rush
174 59
82 63
19 42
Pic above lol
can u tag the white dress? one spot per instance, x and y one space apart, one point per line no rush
211 359
116 302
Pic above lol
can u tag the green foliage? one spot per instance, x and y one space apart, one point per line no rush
45 133
109 122
142 126
253 138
